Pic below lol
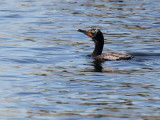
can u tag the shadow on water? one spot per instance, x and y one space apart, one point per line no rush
97 66
115 0
104 67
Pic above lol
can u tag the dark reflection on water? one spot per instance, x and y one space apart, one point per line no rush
45 73
97 66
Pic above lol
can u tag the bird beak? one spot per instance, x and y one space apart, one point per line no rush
88 33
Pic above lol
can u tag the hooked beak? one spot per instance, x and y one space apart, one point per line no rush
86 32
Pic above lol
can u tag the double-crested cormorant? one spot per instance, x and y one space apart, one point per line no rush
98 39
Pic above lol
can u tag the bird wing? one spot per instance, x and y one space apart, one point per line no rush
116 56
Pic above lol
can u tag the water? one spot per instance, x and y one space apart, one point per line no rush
45 73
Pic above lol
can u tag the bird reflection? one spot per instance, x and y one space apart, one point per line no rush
115 0
97 66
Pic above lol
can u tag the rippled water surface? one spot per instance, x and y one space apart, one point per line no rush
45 72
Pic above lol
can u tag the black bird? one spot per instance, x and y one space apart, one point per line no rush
98 39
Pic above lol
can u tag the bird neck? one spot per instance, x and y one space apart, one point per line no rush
98 47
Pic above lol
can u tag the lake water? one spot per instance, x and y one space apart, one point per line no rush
45 73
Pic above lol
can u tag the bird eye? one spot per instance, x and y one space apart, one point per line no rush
93 31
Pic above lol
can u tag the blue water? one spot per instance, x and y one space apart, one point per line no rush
45 73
